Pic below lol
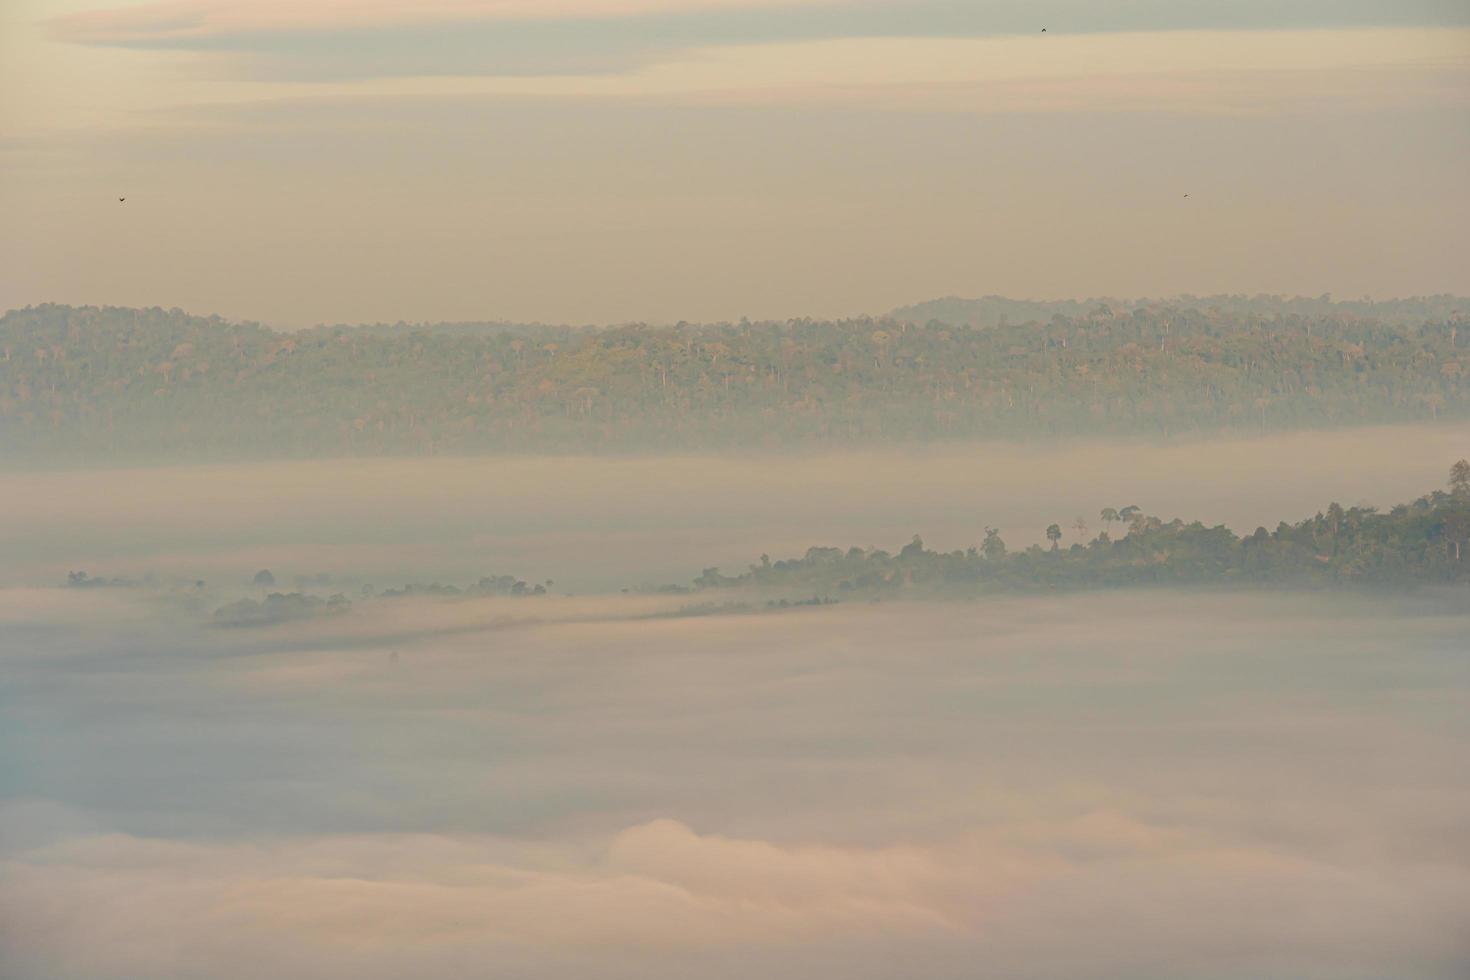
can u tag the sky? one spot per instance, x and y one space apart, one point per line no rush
613 160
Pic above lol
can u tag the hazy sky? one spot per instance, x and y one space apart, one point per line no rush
594 160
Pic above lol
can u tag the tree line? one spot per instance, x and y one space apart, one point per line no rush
99 383
1426 542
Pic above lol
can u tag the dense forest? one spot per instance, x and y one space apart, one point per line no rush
1420 543
995 311
100 383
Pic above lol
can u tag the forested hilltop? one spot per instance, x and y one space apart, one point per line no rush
89 383
991 311
1426 542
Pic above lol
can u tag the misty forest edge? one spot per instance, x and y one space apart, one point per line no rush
1422 543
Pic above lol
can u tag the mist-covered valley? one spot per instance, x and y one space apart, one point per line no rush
588 775
1143 784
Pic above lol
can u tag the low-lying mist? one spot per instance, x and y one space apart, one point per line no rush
601 524
1137 783
1141 784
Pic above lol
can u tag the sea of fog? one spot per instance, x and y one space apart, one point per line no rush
1151 785
602 524
1142 785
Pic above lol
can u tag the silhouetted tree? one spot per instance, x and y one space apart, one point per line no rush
1460 478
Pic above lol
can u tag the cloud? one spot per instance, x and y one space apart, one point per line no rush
255 22
1170 71
337 40
193 20
378 905
1178 71
658 885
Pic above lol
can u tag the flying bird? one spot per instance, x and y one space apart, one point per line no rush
121 199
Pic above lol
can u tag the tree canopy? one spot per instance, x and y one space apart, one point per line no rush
95 383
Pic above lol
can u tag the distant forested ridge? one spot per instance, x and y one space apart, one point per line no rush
1426 542
91 384
992 311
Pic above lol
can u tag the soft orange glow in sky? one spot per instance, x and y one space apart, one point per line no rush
701 159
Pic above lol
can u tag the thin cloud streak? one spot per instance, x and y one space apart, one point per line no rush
1175 71
1181 72
262 23
184 20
